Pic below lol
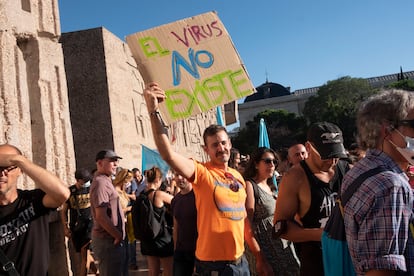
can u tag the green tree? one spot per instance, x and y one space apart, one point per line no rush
405 84
337 102
283 129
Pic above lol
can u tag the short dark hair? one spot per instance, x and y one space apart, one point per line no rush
212 130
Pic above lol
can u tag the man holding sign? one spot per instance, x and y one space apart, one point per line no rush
220 197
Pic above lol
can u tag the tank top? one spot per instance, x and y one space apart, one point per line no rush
322 199
323 196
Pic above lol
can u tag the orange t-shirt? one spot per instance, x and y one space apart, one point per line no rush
220 213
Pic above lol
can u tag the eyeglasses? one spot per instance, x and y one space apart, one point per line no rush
234 185
409 123
6 170
270 160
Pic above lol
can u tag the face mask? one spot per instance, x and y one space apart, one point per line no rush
87 184
408 151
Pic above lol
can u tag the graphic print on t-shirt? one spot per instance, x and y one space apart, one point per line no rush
326 207
17 226
230 203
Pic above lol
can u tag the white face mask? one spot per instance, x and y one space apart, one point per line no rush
408 151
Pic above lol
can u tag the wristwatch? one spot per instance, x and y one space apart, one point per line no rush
279 228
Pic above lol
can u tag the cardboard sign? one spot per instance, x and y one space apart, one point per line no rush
194 61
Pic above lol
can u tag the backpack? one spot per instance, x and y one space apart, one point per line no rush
335 253
147 223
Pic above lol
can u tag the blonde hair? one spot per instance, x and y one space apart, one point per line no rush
122 177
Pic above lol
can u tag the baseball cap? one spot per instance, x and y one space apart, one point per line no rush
107 154
327 140
83 174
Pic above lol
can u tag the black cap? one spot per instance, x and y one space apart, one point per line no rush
327 140
83 174
107 154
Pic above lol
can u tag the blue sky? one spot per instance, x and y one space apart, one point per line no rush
299 44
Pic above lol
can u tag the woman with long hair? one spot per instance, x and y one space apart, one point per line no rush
260 206
122 178
158 251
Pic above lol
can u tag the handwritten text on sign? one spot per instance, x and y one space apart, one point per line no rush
195 62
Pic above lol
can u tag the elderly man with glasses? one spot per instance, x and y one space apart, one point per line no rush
307 194
378 216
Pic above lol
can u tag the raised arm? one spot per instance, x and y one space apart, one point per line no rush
56 191
153 96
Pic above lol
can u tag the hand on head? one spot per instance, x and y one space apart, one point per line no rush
10 156
153 95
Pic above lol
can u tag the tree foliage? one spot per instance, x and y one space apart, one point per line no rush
283 129
405 84
337 102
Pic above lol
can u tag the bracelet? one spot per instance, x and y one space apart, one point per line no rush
156 113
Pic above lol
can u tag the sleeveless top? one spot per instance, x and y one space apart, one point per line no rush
323 196
280 256
322 200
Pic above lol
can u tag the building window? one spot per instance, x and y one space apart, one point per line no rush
26 5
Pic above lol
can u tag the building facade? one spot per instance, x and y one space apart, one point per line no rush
275 96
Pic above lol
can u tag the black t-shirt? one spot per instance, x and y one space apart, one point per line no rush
24 233
79 200
184 211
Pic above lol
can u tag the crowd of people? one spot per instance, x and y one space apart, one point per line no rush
224 216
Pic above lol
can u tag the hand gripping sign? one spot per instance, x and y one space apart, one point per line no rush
194 61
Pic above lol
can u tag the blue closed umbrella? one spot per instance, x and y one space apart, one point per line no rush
219 116
264 142
263 137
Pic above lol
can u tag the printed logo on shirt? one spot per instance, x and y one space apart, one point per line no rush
229 202
326 207
81 201
16 227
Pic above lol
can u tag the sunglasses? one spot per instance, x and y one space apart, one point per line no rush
270 160
234 185
409 123
6 170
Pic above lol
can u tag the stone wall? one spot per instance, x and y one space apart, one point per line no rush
107 107
33 94
60 112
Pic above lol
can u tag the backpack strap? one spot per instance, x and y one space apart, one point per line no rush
153 198
347 194
7 264
162 218
342 167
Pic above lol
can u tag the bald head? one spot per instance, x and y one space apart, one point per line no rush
297 153
9 149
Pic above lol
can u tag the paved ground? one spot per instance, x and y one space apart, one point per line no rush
142 264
